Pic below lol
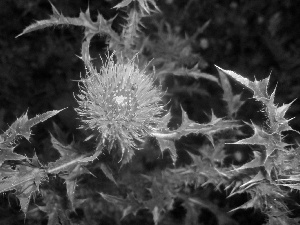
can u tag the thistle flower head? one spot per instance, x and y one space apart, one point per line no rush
120 102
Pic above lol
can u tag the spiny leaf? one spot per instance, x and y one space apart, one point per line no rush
70 163
269 165
258 177
71 181
281 111
68 160
233 101
25 180
91 158
166 137
6 153
59 19
209 129
260 137
165 121
260 88
250 185
258 161
21 127
6 171
22 175
281 122
131 29
168 144
101 26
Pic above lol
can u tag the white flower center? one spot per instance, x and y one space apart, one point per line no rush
120 100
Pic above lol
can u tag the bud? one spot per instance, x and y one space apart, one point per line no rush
121 103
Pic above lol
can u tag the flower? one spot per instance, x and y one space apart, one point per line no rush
121 103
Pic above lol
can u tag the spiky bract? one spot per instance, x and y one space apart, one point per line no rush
120 102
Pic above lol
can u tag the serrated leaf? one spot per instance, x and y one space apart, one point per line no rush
131 29
69 158
6 153
165 144
22 175
25 180
166 137
260 137
254 181
165 121
208 129
101 26
258 177
21 127
269 165
6 171
59 19
281 111
282 123
69 166
233 101
258 161
92 157
71 181
260 88
25 128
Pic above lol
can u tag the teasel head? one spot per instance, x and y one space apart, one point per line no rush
121 103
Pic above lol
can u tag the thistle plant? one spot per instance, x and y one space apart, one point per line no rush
121 106
121 103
